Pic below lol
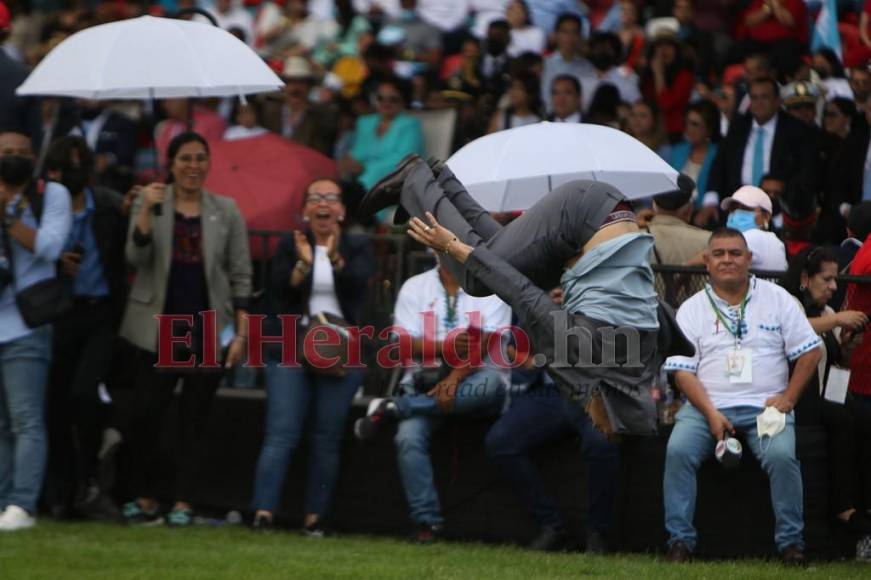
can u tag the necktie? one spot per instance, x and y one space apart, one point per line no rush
758 156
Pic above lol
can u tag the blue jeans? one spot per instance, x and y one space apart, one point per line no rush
691 443
292 397
24 366
480 393
535 418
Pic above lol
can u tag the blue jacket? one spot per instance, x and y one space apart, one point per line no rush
679 155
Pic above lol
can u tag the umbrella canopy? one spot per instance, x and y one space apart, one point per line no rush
267 176
148 57
510 170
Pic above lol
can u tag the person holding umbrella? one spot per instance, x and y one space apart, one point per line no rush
190 258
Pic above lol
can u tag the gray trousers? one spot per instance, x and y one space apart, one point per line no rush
537 244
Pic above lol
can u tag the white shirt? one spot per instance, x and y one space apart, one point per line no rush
775 331
236 17
623 78
747 167
425 293
573 118
390 8
237 132
446 15
528 39
769 253
323 294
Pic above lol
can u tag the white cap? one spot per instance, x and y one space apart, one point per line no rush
748 196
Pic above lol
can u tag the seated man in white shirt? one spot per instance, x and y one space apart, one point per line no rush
750 211
746 331
432 307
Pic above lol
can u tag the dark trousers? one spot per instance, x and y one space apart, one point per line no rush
537 244
82 355
154 474
541 416
862 417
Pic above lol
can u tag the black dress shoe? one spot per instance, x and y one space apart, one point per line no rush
678 553
550 539
793 556
386 192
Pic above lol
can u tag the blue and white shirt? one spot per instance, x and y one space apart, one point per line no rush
775 329
33 267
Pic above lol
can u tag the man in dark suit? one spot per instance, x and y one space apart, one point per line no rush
765 141
112 137
565 96
851 182
295 117
21 113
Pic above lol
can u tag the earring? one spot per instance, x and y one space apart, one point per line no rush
305 218
341 218
802 288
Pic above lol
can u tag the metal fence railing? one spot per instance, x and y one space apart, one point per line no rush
398 258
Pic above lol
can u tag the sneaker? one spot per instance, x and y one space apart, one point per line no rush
315 530
426 534
134 515
15 518
180 518
550 539
378 412
263 524
863 549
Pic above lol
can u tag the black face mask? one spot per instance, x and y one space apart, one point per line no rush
602 61
74 180
15 170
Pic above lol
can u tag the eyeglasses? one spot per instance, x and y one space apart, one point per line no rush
326 198
394 99
828 114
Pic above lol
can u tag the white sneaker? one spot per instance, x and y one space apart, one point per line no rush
15 518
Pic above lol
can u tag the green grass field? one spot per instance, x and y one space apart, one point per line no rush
95 551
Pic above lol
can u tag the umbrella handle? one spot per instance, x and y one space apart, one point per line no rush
194 10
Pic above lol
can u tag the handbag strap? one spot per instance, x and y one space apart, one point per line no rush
8 253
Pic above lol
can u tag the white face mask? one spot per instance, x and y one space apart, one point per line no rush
770 423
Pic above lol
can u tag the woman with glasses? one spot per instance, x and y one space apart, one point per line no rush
383 139
695 154
190 251
321 270
812 279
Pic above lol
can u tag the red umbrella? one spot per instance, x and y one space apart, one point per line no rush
267 176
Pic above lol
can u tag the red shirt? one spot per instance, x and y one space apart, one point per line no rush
672 101
770 30
859 298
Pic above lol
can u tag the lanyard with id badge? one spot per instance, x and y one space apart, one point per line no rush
739 361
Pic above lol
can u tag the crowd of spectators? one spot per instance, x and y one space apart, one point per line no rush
774 133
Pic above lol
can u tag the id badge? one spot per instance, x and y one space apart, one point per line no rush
739 366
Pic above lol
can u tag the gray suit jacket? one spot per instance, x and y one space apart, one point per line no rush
226 260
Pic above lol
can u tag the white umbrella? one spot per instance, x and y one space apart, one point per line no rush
148 57
510 170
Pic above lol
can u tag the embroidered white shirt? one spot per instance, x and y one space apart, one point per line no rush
775 330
